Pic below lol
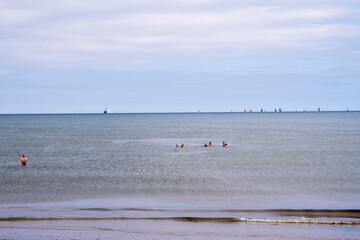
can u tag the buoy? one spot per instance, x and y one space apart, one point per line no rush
275 109
250 110
262 110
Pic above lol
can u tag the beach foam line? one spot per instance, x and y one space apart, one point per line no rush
193 219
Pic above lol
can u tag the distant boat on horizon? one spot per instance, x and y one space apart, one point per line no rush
106 111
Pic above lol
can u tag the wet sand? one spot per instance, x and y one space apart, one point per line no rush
170 229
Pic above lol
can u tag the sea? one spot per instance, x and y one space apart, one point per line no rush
288 175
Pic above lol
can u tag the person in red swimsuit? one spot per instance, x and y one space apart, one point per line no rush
23 160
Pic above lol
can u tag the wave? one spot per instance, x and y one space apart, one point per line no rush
192 219
309 213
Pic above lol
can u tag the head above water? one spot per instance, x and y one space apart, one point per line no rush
23 155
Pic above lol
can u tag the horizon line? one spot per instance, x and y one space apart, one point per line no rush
196 112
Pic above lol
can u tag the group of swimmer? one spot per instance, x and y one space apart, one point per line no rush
182 145
205 145
24 159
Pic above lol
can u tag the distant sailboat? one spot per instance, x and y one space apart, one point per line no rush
106 111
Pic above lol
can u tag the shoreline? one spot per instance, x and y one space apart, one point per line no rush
189 219
172 229
77 211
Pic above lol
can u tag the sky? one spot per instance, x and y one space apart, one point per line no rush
80 56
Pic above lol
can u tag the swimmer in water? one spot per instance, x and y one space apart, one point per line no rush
177 145
210 144
182 145
223 143
23 160
205 145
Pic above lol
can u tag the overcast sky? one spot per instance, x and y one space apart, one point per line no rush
81 56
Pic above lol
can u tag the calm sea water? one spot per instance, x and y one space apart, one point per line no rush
127 165
121 167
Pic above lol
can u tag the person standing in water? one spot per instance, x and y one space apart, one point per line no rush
23 160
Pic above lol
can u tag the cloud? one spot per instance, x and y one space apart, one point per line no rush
112 35
4 72
10 16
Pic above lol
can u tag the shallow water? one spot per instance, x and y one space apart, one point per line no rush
129 161
287 160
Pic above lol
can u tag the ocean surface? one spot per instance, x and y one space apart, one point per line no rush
288 169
